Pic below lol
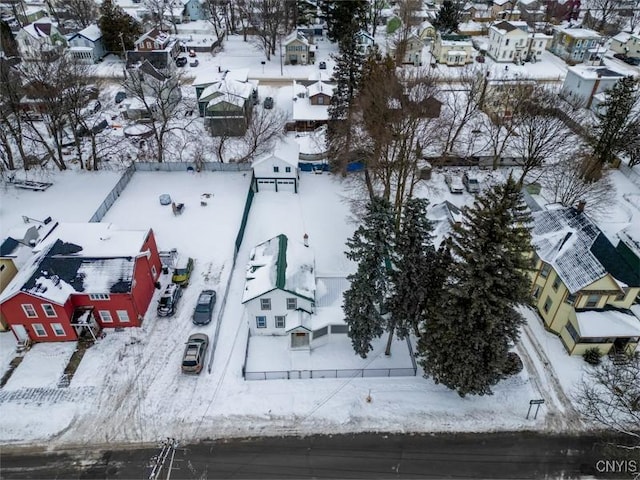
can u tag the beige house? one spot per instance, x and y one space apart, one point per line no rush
453 50
512 42
627 44
583 286
298 49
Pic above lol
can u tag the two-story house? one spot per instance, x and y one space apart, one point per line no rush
157 47
512 42
583 286
575 45
87 45
226 106
280 290
364 41
453 50
311 104
298 49
409 49
40 40
155 86
82 277
583 84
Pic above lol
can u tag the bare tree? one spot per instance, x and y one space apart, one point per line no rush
83 12
11 117
375 13
268 19
160 11
609 396
264 128
606 12
407 12
565 183
160 95
541 136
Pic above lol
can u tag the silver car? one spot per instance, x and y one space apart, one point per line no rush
195 353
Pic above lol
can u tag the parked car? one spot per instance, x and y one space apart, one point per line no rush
454 182
192 53
323 65
182 272
181 61
471 182
195 63
268 102
195 353
169 300
204 307
120 96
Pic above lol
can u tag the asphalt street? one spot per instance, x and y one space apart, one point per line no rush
368 456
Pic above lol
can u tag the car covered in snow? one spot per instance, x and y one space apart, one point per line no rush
169 300
454 182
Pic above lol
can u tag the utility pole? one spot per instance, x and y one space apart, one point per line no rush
167 450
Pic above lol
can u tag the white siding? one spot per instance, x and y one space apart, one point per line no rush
278 307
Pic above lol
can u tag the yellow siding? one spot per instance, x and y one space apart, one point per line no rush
632 293
8 270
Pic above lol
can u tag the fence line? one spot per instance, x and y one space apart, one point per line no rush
630 173
191 167
113 194
330 373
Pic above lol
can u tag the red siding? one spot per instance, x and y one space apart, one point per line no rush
15 315
116 301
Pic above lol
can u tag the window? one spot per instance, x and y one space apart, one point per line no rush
105 316
2 267
556 283
506 42
287 169
49 310
154 272
265 304
547 305
571 299
592 301
292 303
572 332
29 311
280 321
536 292
39 329
544 272
98 296
320 100
123 316
261 322
57 329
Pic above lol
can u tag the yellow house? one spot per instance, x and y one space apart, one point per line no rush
8 270
453 50
583 286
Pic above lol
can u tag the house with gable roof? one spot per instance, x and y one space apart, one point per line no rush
82 277
87 45
453 50
280 290
311 104
277 171
585 86
157 47
40 39
512 42
627 44
583 286
575 45
299 50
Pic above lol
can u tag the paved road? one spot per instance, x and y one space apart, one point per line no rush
369 456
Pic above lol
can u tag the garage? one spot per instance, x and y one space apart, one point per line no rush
266 185
286 185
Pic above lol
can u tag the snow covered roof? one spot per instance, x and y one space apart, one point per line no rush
507 26
593 73
228 87
228 98
578 32
92 32
207 76
579 252
286 151
607 323
280 264
631 237
622 37
40 28
320 87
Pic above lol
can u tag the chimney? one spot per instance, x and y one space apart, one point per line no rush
580 206
306 240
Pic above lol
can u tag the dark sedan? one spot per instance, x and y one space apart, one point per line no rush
204 308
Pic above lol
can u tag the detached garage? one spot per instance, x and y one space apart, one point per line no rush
277 171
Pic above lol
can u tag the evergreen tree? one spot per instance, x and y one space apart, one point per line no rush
615 116
414 260
365 300
448 17
7 40
344 18
119 30
465 342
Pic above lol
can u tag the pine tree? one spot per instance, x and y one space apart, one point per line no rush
465 342
448 17
119 30
344 19
7 40
414 260
615 115
365 300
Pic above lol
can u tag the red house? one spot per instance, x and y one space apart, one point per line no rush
82 277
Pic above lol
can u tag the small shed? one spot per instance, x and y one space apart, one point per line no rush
277 171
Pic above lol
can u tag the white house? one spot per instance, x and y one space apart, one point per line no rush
412 48
280 289
311 104
364 41
87 44
277 171
452 50
583 84
40 38
626 43
512 42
